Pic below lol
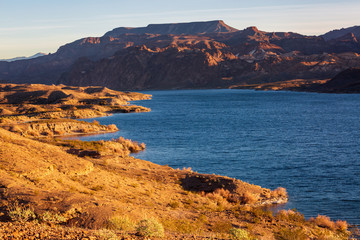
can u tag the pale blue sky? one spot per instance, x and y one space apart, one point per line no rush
31 26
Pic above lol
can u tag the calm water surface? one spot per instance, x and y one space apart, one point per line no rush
308 143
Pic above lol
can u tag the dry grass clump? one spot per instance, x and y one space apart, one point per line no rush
183 226
248 198
150 227
279 192
291 234
341 225
121 223
49 217
290 215
134 147
106 234
323 221
260 214
19 213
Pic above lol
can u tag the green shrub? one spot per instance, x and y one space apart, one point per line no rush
239 234
150 228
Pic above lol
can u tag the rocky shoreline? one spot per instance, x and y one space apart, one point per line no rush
48 185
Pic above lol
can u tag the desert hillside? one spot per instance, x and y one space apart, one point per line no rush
53 188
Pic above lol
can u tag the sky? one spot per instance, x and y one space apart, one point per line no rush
31 26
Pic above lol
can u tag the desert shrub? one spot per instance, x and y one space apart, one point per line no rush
183 226
341 225
239 234
150 227
133 147
226 194
323 221
105 234
19 213
291 234
122 223
279 192
50 217
261 214
248 198
112 127
290 215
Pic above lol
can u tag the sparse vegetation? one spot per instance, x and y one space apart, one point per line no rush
239 234
19 213
54 218
341 225
323 221
291 234
106 234
150 227
134 147
122 223
290 215
99 179
222 226
249 198
279 192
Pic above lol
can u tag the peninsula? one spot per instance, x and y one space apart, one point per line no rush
68 189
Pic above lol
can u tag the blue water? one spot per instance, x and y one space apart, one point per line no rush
308 143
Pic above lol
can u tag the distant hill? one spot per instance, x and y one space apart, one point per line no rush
24 58
191 28
338 33
188 56
347 81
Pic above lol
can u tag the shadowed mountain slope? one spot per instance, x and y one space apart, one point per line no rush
192 28
341 32
188 55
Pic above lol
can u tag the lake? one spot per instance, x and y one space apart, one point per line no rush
308 143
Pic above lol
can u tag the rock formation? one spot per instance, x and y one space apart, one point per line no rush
190 55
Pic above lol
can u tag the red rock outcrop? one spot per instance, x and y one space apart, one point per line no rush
188 55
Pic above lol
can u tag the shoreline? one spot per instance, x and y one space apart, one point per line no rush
101 181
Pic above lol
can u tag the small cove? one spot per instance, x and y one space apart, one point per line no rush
308 143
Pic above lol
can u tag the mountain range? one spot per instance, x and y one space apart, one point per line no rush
190 55
23 57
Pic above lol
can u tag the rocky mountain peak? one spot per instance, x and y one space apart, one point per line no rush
341 32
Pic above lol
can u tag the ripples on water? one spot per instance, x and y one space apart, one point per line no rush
308 143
